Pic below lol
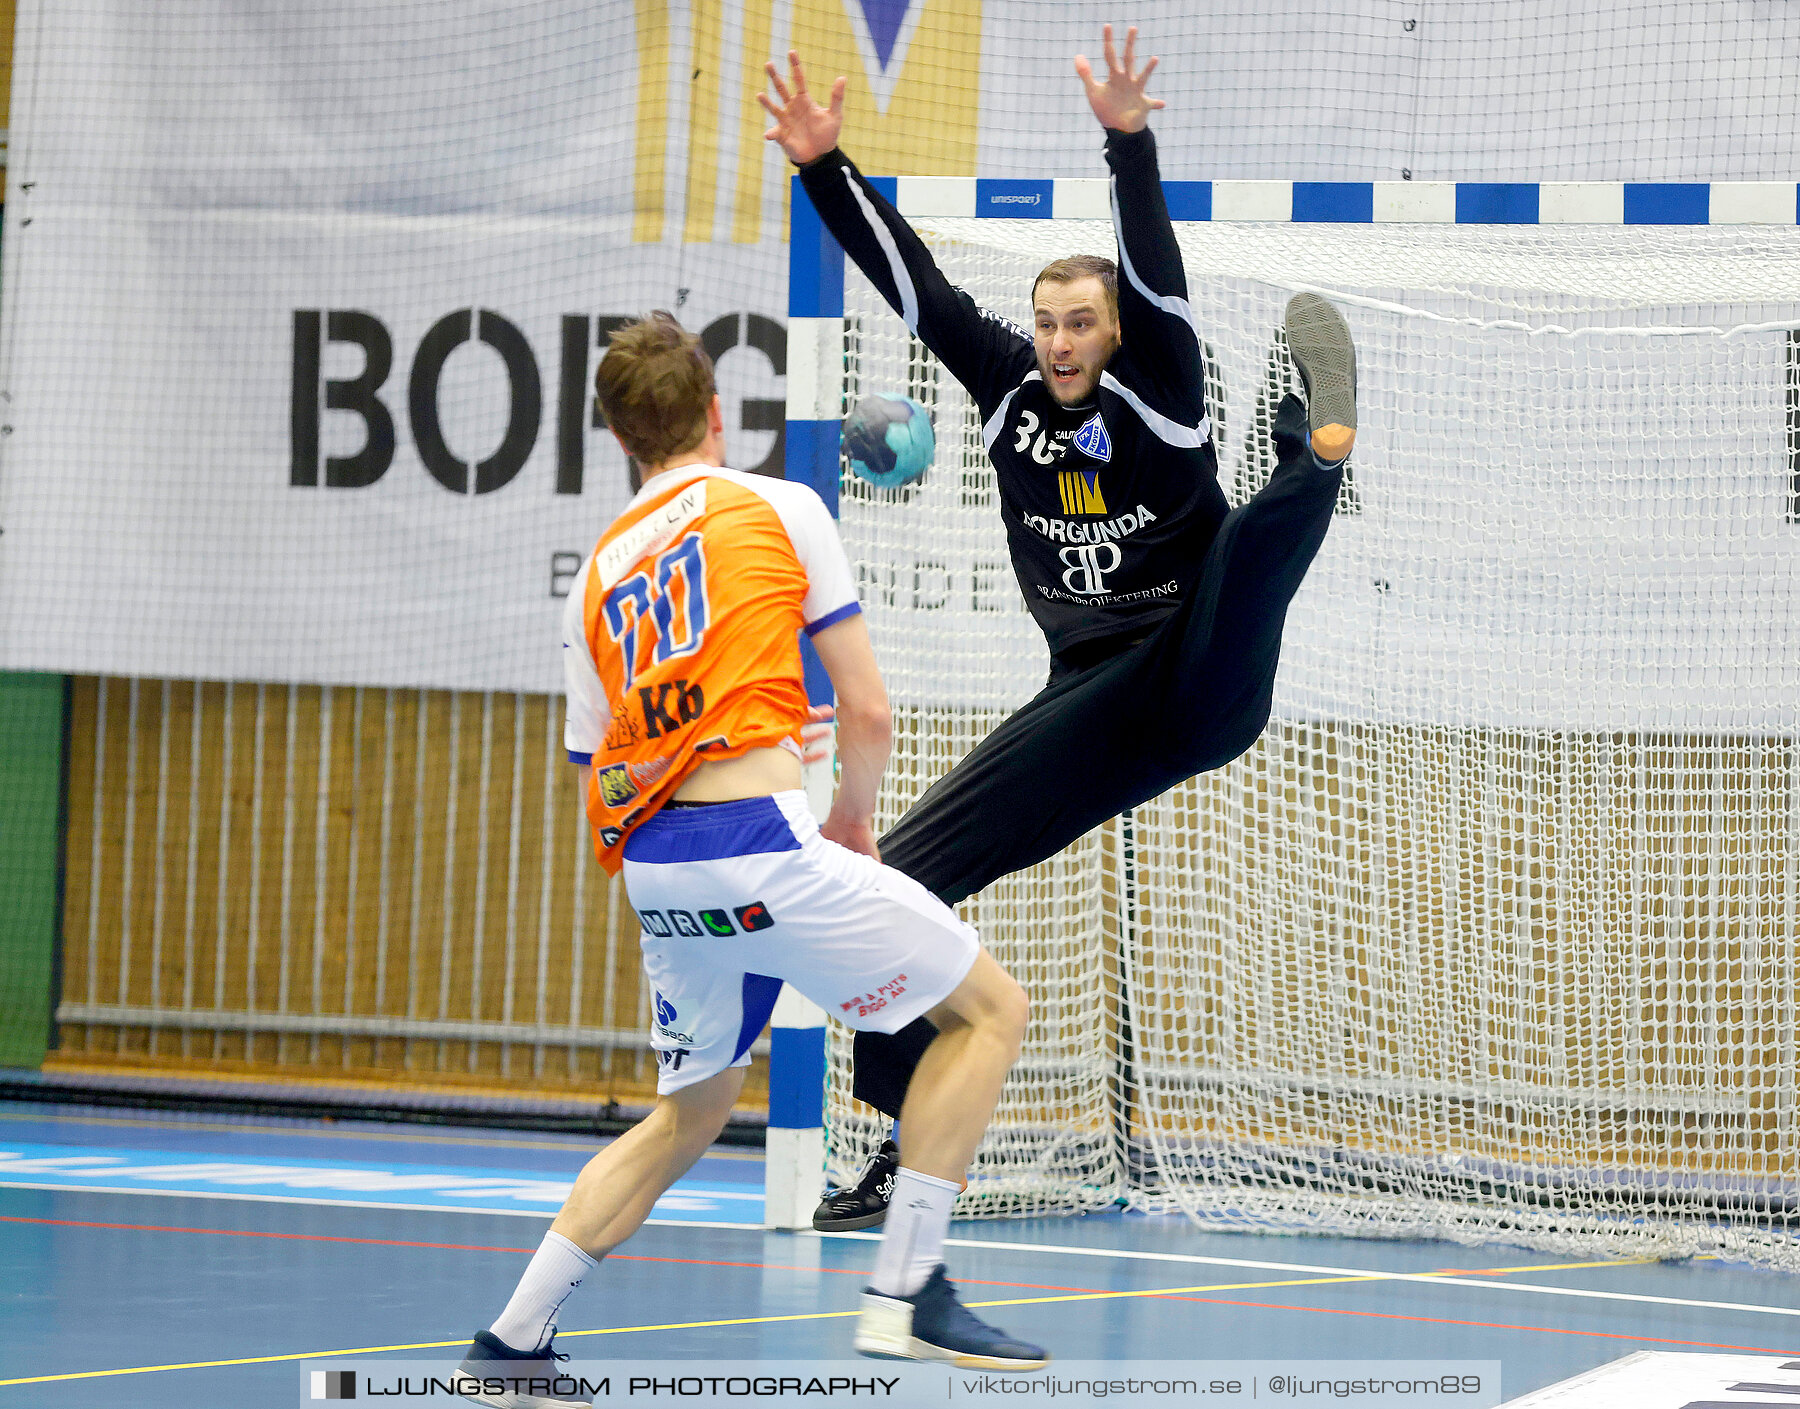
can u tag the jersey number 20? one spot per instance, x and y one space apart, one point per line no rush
636 598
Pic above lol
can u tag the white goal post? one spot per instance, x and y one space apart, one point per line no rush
1495 932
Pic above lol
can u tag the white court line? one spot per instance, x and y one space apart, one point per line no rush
218 1127
1057 1249
548 1215
1433 1278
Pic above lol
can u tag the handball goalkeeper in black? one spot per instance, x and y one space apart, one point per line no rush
1162 606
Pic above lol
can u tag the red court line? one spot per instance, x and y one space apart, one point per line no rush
473 1247
253 1233
1483 1325
851 1271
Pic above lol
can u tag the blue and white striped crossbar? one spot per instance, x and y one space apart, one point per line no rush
1368 202
816 263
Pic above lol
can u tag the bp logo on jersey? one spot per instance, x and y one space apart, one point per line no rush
1093 441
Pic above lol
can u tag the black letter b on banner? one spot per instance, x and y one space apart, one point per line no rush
358 395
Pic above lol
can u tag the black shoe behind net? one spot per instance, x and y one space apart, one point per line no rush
865 1205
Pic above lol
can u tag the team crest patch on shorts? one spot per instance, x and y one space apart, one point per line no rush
1093 441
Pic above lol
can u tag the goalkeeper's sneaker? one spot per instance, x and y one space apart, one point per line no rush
1319 340
866 1204
495 1374
934 1325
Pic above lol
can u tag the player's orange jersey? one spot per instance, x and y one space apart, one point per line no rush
681 640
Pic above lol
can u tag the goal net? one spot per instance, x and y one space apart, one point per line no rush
1493 933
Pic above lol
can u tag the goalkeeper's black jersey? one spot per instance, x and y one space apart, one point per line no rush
1111 505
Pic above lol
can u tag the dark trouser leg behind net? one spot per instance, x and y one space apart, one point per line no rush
1192 697
1219 678
1050 773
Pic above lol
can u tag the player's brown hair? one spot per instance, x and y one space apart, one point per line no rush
655 384
1082 266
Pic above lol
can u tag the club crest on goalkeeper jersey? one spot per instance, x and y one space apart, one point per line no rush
681 635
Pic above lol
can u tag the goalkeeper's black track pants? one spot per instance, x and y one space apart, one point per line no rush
1189 697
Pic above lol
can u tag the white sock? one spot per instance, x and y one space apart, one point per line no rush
556 1269
913 1241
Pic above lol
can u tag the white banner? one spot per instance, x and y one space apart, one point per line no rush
301 325
1391 90
301 302
226 491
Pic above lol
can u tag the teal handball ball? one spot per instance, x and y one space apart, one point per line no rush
888 440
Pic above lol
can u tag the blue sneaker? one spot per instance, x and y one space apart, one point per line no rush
494 1374
934 1325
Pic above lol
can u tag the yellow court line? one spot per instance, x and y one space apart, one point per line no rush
671 1326
1176 1291
220 1364
1450 1274
421 1345
774 1320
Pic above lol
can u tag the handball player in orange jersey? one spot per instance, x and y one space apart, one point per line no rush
686 707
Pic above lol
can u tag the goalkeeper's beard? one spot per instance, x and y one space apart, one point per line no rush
1076 390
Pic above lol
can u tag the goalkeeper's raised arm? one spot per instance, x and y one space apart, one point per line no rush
1156 325
986 354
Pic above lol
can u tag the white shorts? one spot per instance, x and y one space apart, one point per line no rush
738 897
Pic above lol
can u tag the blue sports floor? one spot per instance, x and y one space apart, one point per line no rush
163 1260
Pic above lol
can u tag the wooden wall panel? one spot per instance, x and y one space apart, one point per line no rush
1459 909
266 849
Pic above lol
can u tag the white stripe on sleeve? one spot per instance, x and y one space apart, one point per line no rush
996 422
1172 304
1172 432
909 296
584 729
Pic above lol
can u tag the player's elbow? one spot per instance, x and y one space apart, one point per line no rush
865 721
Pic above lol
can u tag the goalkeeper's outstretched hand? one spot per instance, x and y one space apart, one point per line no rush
804 130
1119 102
